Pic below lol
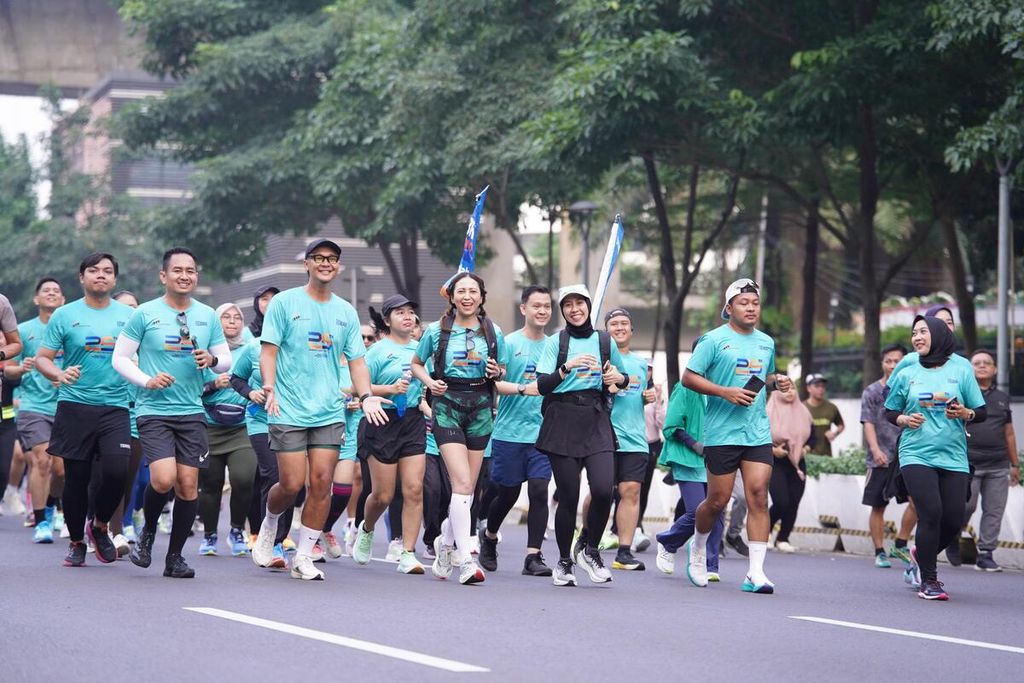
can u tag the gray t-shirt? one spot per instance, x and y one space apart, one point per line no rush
872 409
8 323
986 445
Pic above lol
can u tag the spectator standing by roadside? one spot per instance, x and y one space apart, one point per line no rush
828 423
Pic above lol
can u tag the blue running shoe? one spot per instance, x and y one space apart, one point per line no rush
51 513
932 590
236 538
278 560
43 532
881 561
209 545
766 588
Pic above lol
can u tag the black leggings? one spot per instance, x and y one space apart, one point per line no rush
536 518
601 476
787 489
653 452
8 433
437 495
940 497
483 495
113 470
266 466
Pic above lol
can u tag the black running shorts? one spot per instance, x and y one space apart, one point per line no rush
722 460
87 432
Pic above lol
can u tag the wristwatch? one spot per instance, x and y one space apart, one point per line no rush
564 370
521 389
365 396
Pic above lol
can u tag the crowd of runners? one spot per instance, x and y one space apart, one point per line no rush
134 418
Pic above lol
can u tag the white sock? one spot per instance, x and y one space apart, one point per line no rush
458 513
307 539
11 490
447 536
758 550
700 541
270 520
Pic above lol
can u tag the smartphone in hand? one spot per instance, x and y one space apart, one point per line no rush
754 384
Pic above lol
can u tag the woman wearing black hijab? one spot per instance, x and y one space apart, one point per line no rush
260 300
576 369
933 400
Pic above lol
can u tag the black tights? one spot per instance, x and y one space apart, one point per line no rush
601 476
787 489
940 497
113 471
536 518
266 467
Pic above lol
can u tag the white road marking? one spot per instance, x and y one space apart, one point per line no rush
916 634
365 646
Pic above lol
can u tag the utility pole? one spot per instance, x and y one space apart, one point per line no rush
1003 279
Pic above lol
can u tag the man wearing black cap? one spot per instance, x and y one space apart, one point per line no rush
305 331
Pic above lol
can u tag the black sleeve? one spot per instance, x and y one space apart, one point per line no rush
980 414
684 437
892 416
209 388
548 383
241 386
812 440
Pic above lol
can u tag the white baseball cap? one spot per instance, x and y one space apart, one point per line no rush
573 290
735 289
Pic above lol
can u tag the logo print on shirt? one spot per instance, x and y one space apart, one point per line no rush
529 372
934 401
320 342
464 359
94 344
174 344
746 367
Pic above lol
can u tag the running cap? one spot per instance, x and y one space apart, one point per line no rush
814 378
316 244
573 290
617 313
744 284
396 301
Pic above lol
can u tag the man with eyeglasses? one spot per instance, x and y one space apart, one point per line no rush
991 448
305 332
176 339
91 426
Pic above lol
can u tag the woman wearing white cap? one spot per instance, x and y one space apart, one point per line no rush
731 365
576 370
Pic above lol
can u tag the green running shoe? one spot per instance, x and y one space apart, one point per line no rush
363 548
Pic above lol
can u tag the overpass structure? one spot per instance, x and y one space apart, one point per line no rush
72 44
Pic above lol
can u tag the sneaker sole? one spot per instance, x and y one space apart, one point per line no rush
190 575
565 582
96 547
541 573
689 574
478 577
638 567
43 541
415 570
941 598
299 575
278 563
758 590
72 564
594 578
208 553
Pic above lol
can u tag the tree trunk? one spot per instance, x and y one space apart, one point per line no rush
551 249
810 274
673 321
964 297
410 264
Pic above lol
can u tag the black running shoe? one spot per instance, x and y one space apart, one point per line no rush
953 553
142 552
106 551
176 568
737 544
624 560
488 557
534 566
76 555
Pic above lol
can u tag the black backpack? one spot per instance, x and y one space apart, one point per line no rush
604 343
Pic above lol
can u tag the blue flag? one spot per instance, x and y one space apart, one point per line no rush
468 261
611 257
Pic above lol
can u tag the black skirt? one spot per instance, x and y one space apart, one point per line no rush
576 425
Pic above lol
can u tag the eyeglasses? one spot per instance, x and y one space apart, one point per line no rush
183 330
323 258
231 318
368 337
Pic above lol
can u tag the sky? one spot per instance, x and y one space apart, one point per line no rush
26 116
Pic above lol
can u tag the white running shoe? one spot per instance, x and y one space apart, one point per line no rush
563 574
442 567
13 502
350 536
64 531
696 565
395 549
470 573
785 547
318 552
641 541
121 544
408 564
263 549
593 565
330 542
163 525
302 568
665 560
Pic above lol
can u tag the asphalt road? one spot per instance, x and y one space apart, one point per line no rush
121 623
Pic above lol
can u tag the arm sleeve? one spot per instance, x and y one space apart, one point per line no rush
980 414
685 437
548 382
223 353
892 415
124 348
240 386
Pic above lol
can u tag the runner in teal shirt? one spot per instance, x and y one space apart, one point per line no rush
37 395
311 336
86 335
156 327
518 419
246 366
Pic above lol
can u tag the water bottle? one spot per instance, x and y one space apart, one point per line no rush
401 400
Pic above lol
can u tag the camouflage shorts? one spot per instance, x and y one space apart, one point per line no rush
464 417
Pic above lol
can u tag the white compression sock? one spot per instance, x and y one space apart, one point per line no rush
447 535
700 541
758 550
458 513
307 539
270 519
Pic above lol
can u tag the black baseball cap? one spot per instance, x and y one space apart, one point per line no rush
396 301
316 244
615 313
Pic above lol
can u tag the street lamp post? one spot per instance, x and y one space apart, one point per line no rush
586 210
